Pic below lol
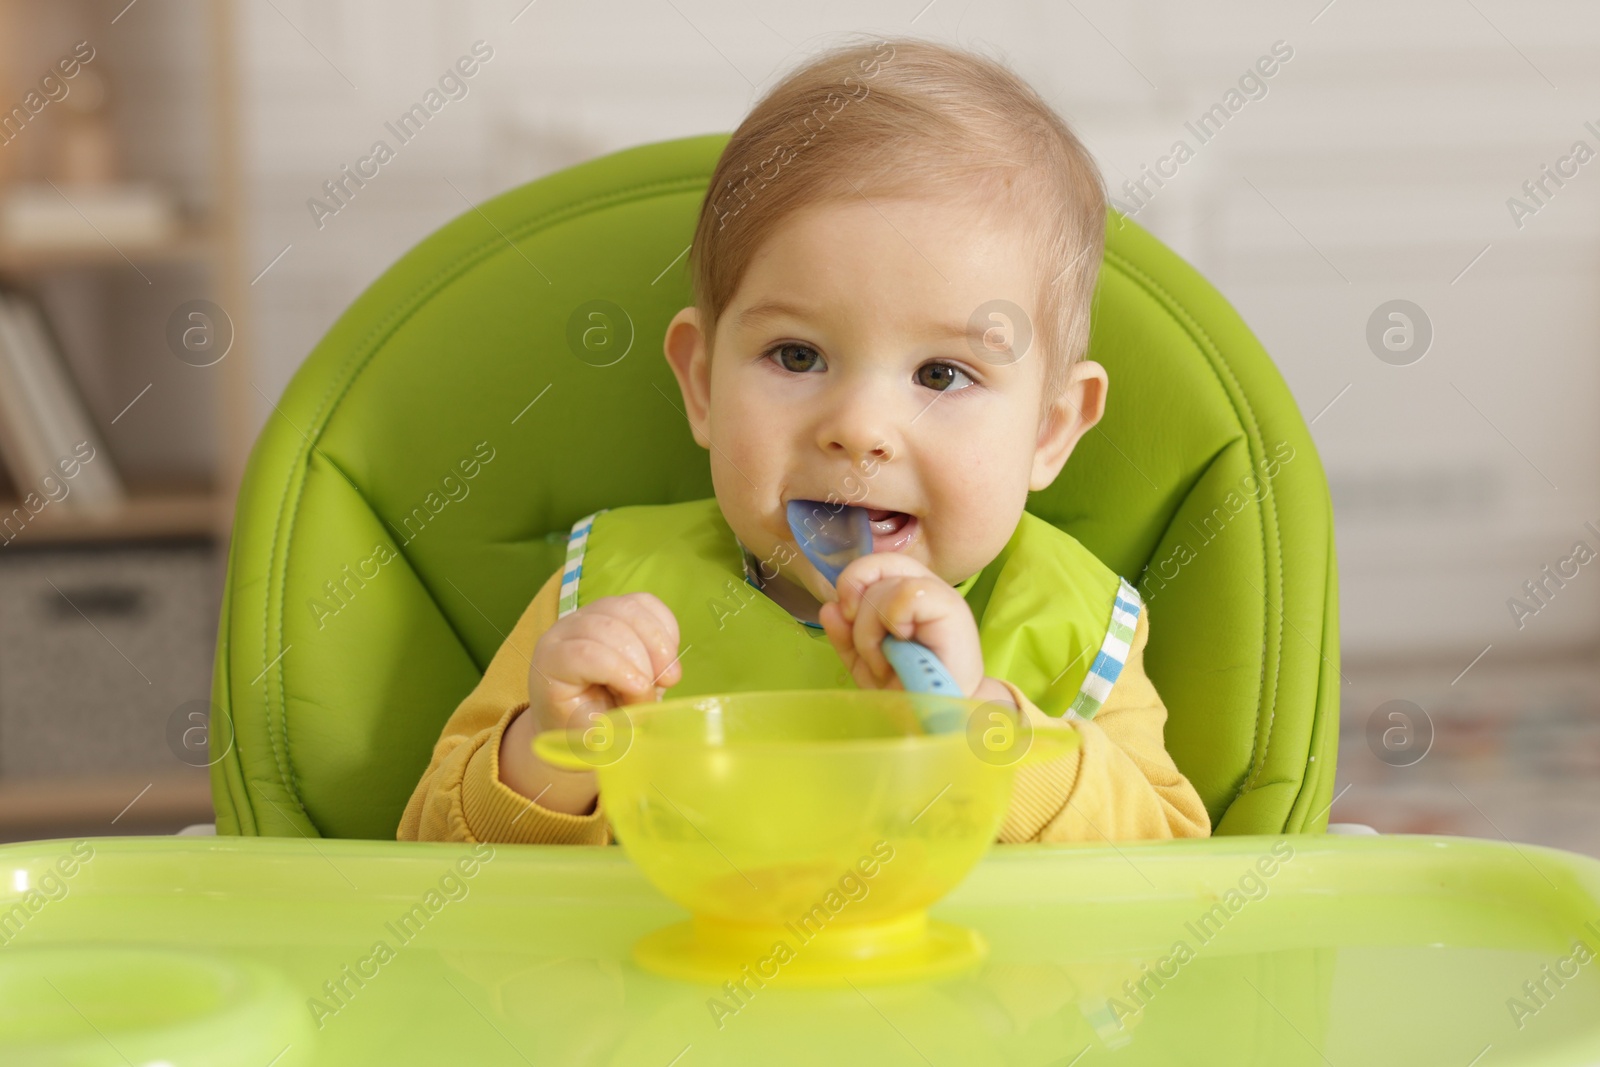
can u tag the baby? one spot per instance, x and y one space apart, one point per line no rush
892 275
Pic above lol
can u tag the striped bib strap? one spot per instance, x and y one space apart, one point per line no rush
577 541
1107 665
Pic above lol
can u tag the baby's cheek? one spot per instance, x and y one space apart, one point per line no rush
965 541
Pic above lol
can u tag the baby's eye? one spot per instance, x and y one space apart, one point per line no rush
940 376
796 357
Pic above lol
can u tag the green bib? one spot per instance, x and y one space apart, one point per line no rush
1052 619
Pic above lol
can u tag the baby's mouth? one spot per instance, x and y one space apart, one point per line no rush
891 530
887 522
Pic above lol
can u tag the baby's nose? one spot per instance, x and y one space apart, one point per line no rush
862 432
863 418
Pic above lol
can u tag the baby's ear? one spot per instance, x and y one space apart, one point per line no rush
1073 414
685 347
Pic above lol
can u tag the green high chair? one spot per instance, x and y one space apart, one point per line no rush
416 483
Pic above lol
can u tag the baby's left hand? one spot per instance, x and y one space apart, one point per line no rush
888 592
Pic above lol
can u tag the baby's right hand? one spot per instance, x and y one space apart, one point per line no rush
612 651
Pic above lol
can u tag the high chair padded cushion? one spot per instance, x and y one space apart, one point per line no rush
415 485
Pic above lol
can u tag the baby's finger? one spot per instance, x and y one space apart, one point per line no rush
584 659
909 609
656 628
862 674
863 572
871 627
838 632
662 623
612 625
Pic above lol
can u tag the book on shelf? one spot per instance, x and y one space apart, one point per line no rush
40 217
48 440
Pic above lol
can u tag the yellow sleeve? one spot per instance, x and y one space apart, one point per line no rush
1120 784
461 796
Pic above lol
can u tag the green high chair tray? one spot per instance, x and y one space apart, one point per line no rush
1299 949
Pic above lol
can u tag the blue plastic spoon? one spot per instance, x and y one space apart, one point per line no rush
833 535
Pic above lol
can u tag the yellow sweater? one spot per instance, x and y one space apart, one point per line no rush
1119 784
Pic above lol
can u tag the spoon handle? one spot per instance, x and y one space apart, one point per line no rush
919 669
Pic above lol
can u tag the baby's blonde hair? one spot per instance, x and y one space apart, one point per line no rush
906 117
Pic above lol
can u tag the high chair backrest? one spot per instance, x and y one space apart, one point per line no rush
416 482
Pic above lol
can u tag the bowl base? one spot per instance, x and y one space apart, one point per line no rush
907 948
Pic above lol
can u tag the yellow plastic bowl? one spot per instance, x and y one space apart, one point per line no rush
806 831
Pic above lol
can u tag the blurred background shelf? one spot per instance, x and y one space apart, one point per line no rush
147 515
191 245
121 209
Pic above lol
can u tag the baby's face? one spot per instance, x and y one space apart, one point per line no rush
844 370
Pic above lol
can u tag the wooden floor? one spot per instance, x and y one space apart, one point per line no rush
1515 752
103 805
